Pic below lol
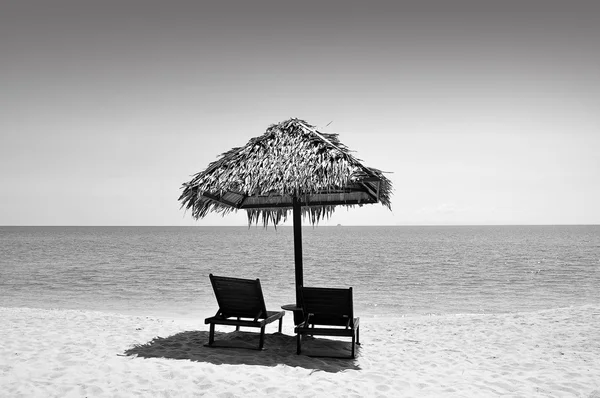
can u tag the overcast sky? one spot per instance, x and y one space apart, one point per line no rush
481 116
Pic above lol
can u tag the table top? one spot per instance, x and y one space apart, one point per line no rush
291 307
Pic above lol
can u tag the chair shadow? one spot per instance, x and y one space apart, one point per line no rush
239 348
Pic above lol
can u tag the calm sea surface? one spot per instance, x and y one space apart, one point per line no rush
393 270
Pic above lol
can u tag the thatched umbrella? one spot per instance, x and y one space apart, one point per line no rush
290 167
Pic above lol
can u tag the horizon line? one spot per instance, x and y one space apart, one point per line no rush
304 225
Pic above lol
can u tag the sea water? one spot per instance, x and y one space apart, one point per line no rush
394 271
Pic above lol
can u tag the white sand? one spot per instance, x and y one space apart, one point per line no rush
64 353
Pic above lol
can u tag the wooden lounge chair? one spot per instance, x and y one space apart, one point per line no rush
327 312
241 303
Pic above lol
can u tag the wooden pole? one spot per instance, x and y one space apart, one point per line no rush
297 216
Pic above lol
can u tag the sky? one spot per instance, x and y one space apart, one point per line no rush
482 113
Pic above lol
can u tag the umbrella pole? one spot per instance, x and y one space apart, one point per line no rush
297 216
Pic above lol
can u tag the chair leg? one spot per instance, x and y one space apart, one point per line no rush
358 335
262 338
237 327
298 343
280 321
211 334
353 344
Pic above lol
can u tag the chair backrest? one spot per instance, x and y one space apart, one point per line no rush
239 297
328 306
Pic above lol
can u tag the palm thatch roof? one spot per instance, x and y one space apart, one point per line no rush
291 160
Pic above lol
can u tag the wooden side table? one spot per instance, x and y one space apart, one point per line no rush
298 313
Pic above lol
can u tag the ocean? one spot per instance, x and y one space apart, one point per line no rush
394 271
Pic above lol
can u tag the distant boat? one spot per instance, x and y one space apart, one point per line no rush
339 225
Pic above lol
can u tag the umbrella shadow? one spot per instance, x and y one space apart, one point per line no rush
233 348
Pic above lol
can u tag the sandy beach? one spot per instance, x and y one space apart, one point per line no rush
69 353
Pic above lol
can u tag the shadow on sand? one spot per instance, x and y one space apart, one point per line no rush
232 348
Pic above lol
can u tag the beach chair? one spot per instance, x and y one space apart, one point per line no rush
241 303
327 312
